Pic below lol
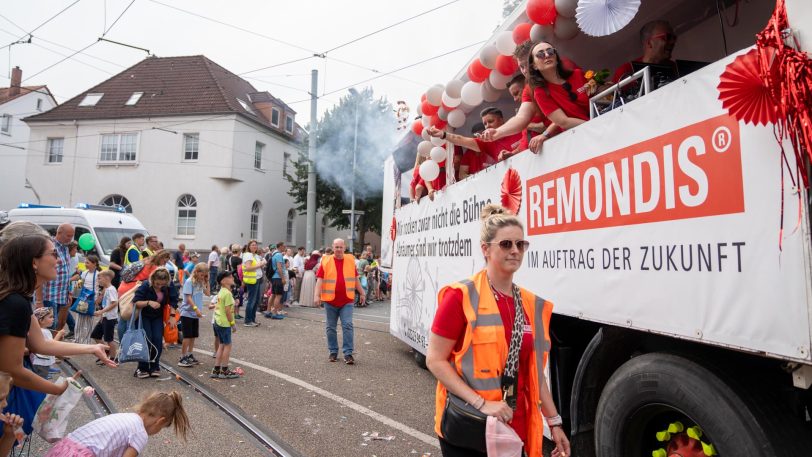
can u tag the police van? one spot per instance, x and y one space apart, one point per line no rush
107 224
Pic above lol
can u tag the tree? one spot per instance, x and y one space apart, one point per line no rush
335 181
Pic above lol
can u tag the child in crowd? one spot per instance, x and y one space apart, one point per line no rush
224 326
212 305
126 434
42 363
194 288
11 422
90 282
108 310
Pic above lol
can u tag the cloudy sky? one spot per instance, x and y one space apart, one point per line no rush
246 36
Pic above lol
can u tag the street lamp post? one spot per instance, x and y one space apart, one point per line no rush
354 149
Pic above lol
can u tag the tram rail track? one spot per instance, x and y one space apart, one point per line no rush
100 404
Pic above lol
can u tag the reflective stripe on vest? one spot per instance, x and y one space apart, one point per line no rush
328 283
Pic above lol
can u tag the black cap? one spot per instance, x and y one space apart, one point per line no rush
222 275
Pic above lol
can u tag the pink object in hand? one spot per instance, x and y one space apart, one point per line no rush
501 440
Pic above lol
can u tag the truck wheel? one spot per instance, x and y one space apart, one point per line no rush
420 359
654 392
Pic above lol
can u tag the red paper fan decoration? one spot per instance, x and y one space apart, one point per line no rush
743 92
393 230
512 191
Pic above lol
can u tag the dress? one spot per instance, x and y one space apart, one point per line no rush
308 288
84 323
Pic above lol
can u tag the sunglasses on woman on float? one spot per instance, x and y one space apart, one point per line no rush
545 52
507 245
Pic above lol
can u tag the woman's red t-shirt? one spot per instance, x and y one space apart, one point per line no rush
555 97
450 322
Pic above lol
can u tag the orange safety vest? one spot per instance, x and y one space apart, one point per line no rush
481 359
328 283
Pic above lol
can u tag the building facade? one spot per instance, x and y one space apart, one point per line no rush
191 149
16 103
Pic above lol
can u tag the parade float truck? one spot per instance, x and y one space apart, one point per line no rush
672 235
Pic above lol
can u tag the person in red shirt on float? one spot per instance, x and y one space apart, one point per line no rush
417 188
473 161
658 40
336 285
491 118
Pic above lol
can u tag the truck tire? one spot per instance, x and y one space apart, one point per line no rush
420 359
650 391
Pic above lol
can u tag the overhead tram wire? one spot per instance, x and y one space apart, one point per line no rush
50 19
119 17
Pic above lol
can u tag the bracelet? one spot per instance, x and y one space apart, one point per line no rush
445 134
479 403
554 421
545 134
233 323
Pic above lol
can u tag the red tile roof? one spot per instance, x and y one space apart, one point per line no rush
172 86
5 97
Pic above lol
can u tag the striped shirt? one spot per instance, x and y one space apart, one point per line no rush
57 290
110 436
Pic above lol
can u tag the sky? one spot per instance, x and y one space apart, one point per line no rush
273 33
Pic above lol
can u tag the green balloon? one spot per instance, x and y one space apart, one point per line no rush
87 242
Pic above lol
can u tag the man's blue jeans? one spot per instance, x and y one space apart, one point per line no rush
213 278
254 292
333 313
71 323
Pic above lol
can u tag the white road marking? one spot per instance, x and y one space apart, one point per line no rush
430 440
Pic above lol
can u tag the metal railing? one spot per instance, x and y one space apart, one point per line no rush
596 102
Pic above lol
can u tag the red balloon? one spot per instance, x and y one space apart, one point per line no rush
417 127
478 72
428 109
506 65
437 122
541 11
521 33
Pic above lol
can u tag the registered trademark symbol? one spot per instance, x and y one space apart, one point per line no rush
721 139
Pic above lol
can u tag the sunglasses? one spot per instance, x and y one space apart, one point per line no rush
545 52
507 245
53 253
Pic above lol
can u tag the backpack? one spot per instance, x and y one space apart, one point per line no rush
129 272
239 271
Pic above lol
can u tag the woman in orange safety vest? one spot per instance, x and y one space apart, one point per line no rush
470 340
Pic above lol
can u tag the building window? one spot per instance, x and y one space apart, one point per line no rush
91 99
116 201
119 147
39 104
253 231
191 145
187 215
289 124
55 148
258 155
247 107
289 226
285 160
275 117
5 124
134 98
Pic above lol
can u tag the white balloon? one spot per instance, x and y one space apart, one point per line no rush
435 94
426 120
565 28
498 80
419 109
472 93
437 141
429 170
424 148
489 94
449 101
437 154
505 44
425 134
442 113
488 56
541 32
566 8
453 88
456 118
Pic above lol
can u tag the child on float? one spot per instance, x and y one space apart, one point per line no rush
194 288
126 434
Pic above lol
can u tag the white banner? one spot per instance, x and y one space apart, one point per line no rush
662 216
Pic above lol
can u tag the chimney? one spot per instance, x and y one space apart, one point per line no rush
16 80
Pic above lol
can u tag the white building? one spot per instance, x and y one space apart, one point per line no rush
191 149
17 102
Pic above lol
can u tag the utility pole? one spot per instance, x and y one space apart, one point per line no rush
354 152
311 166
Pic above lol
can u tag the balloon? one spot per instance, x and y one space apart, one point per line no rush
521 33
87 242
505 44
437 141
566 8
478 72
565 28
472 93
442 113
423 98
417 127
498 80
456 118
428 109
450 102
435 94
426 135
488 56
424 148
541 33
437 122
541 11
489 94
429 170
438 154
453 88
506 65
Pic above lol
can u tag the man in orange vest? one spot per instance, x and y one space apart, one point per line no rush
336 285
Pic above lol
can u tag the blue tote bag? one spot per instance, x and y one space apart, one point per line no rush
134 346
